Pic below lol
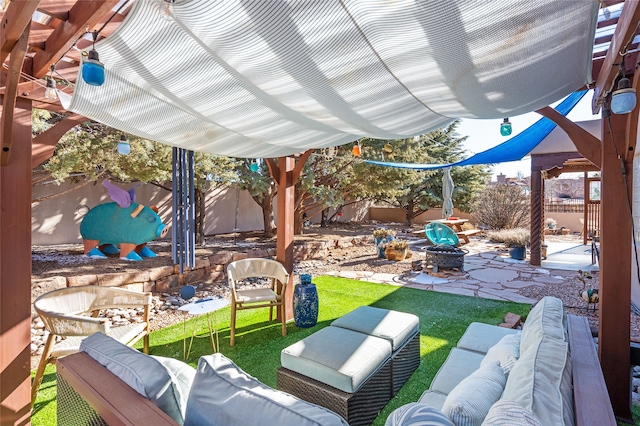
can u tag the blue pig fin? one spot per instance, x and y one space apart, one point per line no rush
110 249
132 256
146 252
95 252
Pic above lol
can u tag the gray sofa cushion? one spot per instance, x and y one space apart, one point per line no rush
141 372
341 358
223 394
545 319
459 364
541 382
480 337
394 326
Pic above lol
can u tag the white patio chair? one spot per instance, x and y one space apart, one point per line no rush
257 298
73 313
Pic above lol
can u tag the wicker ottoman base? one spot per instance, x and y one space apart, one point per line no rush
404 362
358 408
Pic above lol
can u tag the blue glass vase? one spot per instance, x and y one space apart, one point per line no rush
305 303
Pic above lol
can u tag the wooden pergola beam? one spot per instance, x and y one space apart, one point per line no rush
44 144
17 18
9 99
631 133
587 144
82 15
626 29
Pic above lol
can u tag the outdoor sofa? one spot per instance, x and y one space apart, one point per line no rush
555 379
110 383
546 374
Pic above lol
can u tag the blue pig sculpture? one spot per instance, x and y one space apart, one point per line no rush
122 223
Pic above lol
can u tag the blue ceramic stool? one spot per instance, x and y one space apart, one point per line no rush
305 303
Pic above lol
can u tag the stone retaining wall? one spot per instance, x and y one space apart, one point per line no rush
207 269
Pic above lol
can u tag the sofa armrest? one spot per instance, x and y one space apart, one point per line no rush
592 405
110 397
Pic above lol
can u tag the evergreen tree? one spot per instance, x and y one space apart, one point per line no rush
416 191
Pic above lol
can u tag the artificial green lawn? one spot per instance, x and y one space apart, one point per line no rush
443 320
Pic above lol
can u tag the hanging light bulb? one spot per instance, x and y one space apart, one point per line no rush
356 150
505 127
254 166
416 138
168 9
50 90
623 100
123 145
388 148
92 68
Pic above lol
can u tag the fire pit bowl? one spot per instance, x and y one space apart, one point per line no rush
445 256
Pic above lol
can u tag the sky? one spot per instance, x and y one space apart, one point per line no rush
485 134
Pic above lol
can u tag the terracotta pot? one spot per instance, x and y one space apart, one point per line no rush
393 254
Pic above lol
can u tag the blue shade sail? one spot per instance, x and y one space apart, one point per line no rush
514 149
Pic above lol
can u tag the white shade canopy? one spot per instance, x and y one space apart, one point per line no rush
256 78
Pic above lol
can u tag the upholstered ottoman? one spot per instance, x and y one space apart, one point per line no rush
343 370
401 329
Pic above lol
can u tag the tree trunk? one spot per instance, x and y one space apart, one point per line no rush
297 223
267 217
325 218
409 214
200 215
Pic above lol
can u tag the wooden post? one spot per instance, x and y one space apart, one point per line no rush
15 276
537 216
615 265
284 238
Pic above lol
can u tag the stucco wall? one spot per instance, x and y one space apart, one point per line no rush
57 220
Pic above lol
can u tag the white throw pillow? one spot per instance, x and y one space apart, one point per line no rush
470 401
506 352
510 413
417 414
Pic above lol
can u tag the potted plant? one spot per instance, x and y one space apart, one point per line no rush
516 239
396 249
383 236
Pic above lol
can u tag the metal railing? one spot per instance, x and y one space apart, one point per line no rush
564 206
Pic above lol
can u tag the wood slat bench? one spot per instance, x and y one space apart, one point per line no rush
464 235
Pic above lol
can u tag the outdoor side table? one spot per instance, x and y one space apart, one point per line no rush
207 307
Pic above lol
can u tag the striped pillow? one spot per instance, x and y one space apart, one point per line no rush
510 413
417 414
469 402
506 352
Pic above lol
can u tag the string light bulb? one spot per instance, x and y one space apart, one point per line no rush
505 127
356 150
123 145
254 166
623 100
92 68
50 91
